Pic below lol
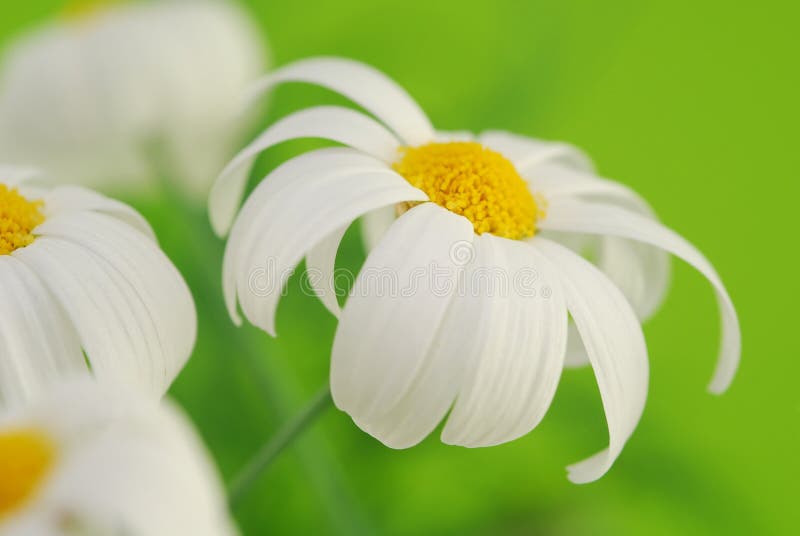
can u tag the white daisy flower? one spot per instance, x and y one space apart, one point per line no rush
84 285
92 459
117 96
496 203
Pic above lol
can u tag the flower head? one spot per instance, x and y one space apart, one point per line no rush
461 310
98 459
121 96
84 286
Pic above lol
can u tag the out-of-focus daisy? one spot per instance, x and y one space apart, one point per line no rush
84 285
422 333
94 459
116 96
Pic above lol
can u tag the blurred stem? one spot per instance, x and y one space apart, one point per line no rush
245 479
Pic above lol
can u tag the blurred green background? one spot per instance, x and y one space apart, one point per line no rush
694 104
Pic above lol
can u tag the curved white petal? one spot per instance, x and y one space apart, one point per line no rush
640 270
76 198
287 220
596 218
528 153
130 306
38 344
364 85
123 461
329 122
515 350
615 345
320 266
374 225
576 353
385 346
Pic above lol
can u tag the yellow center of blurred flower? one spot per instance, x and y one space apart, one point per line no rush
26 457
85 9
475 182
18 218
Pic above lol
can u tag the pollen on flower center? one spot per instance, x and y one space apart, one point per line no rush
18 218
26 457
475 182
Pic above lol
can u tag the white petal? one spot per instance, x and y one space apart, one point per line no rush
516 348
374 225
320 266
38 344
615 345
576 353
364 85
123 461
14 175
527 153
329 122
640 270
385 347
77 198
287 221
131 308
602 219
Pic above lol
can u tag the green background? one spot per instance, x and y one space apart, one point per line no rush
694 104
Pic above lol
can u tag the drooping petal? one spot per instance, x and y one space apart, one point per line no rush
38 344
390 369
364 85
287 220
640 270
131 308
76 198
329 122
597 218
527 153
615 344
516 348
320 265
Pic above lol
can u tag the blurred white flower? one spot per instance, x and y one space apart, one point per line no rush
84 285
92 459
462 306
113 98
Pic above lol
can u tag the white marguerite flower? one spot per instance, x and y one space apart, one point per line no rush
94 459
467 206
84 285
113 97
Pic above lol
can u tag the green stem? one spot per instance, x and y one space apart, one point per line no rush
247 476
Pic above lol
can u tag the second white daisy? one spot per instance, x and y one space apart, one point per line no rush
404 358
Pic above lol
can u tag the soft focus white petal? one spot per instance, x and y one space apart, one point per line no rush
595 218
125 465
130 306
364 85
286 222
329 122
615 344
76 198
516 348
385 346
320 265
527 153
13 175
130 92
576 353
38 344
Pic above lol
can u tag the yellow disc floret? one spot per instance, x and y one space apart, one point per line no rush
475 182
26 458
18 218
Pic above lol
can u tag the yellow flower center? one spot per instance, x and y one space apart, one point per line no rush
475 182
26 457
18 218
